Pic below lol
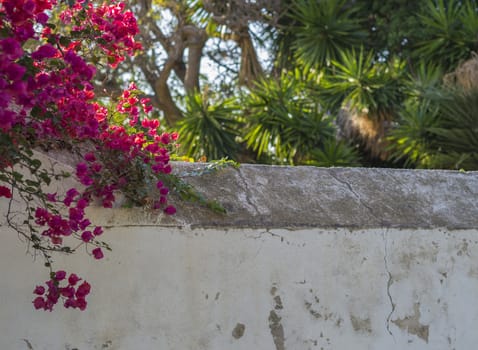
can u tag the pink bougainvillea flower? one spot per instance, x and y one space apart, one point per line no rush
73 279
83 290
51 197
11 48
86 236
97 231
81 303
44 51
60 275
170 210
90 157
53 94
5 192
39 290
39 303
97 253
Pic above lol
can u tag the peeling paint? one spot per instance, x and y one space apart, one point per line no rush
412 325
313 312
277 331
278 302
275 325
463 248
238 331
360 324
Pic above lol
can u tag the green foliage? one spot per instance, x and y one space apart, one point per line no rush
412 139
362 83
382 61
392 26
448 32
209 128
334 154
441 132
457 135
324 29
284 122
426 82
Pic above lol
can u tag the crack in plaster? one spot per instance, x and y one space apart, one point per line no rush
275 235
29 345
283 239
361 201
248 192
389 284
270 233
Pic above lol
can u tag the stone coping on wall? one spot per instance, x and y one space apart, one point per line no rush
263 196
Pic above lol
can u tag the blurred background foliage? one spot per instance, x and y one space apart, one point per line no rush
312 82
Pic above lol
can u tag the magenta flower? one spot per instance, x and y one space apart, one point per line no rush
39 290
42 18
90 157
5 192
73 279
44 51
39 303
82 203
97 253
60 275
67 292
81 304
81 169
11 48
84 223
15 71
83 290
51 197
170 210
86 236
7 118
97 231
70 302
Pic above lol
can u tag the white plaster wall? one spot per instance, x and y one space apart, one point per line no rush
184 289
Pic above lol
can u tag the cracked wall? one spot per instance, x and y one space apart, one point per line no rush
305 259
207 289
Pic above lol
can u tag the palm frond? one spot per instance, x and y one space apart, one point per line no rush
209 128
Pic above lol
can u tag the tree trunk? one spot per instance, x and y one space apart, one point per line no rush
250 70
195 40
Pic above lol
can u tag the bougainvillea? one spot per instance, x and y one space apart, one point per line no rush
47 100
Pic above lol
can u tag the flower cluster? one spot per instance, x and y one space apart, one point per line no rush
109 26
47 96
72 293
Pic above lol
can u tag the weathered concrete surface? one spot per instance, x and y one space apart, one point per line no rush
306 258
301 197
240 289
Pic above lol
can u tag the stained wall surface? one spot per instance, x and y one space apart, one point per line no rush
305 258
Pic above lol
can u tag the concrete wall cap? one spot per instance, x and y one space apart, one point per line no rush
261 196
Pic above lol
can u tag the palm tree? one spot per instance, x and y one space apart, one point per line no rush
324 29
367 94
209 127
284 122
456 145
